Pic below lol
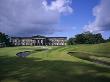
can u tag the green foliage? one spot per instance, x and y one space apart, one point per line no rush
71 41
4 39
87 38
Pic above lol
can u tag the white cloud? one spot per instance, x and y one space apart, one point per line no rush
102 17
28 17
61 6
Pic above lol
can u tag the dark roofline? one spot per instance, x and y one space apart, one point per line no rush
35 37
56 37
22 37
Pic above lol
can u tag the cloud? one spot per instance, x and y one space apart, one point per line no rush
30 17
102 17
61 6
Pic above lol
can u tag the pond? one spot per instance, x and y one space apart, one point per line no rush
23 54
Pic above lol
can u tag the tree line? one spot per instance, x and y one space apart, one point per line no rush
87 38
83 38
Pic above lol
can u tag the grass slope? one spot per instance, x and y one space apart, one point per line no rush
54 65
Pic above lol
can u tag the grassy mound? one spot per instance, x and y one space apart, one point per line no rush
91 57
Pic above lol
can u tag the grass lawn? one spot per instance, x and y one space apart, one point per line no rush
77 63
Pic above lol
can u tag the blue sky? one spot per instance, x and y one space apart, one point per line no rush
54 17
82 15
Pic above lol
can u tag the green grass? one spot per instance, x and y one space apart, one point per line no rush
55 64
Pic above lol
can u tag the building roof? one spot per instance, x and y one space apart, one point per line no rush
56 37
21 37
35 37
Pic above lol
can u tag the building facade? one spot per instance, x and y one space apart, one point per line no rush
38 41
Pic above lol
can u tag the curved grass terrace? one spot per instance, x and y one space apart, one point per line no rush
77 63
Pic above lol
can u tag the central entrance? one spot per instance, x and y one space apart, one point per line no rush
40 41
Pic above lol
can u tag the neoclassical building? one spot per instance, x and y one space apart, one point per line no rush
39 41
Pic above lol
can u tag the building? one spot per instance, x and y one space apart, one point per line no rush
38 41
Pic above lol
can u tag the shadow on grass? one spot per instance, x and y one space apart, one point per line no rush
90 57
15 69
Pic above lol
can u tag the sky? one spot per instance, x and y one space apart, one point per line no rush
54 17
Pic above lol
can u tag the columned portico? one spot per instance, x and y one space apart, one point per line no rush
40 41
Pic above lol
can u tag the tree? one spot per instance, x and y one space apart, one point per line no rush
98 38
71 41
87 38
4 39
